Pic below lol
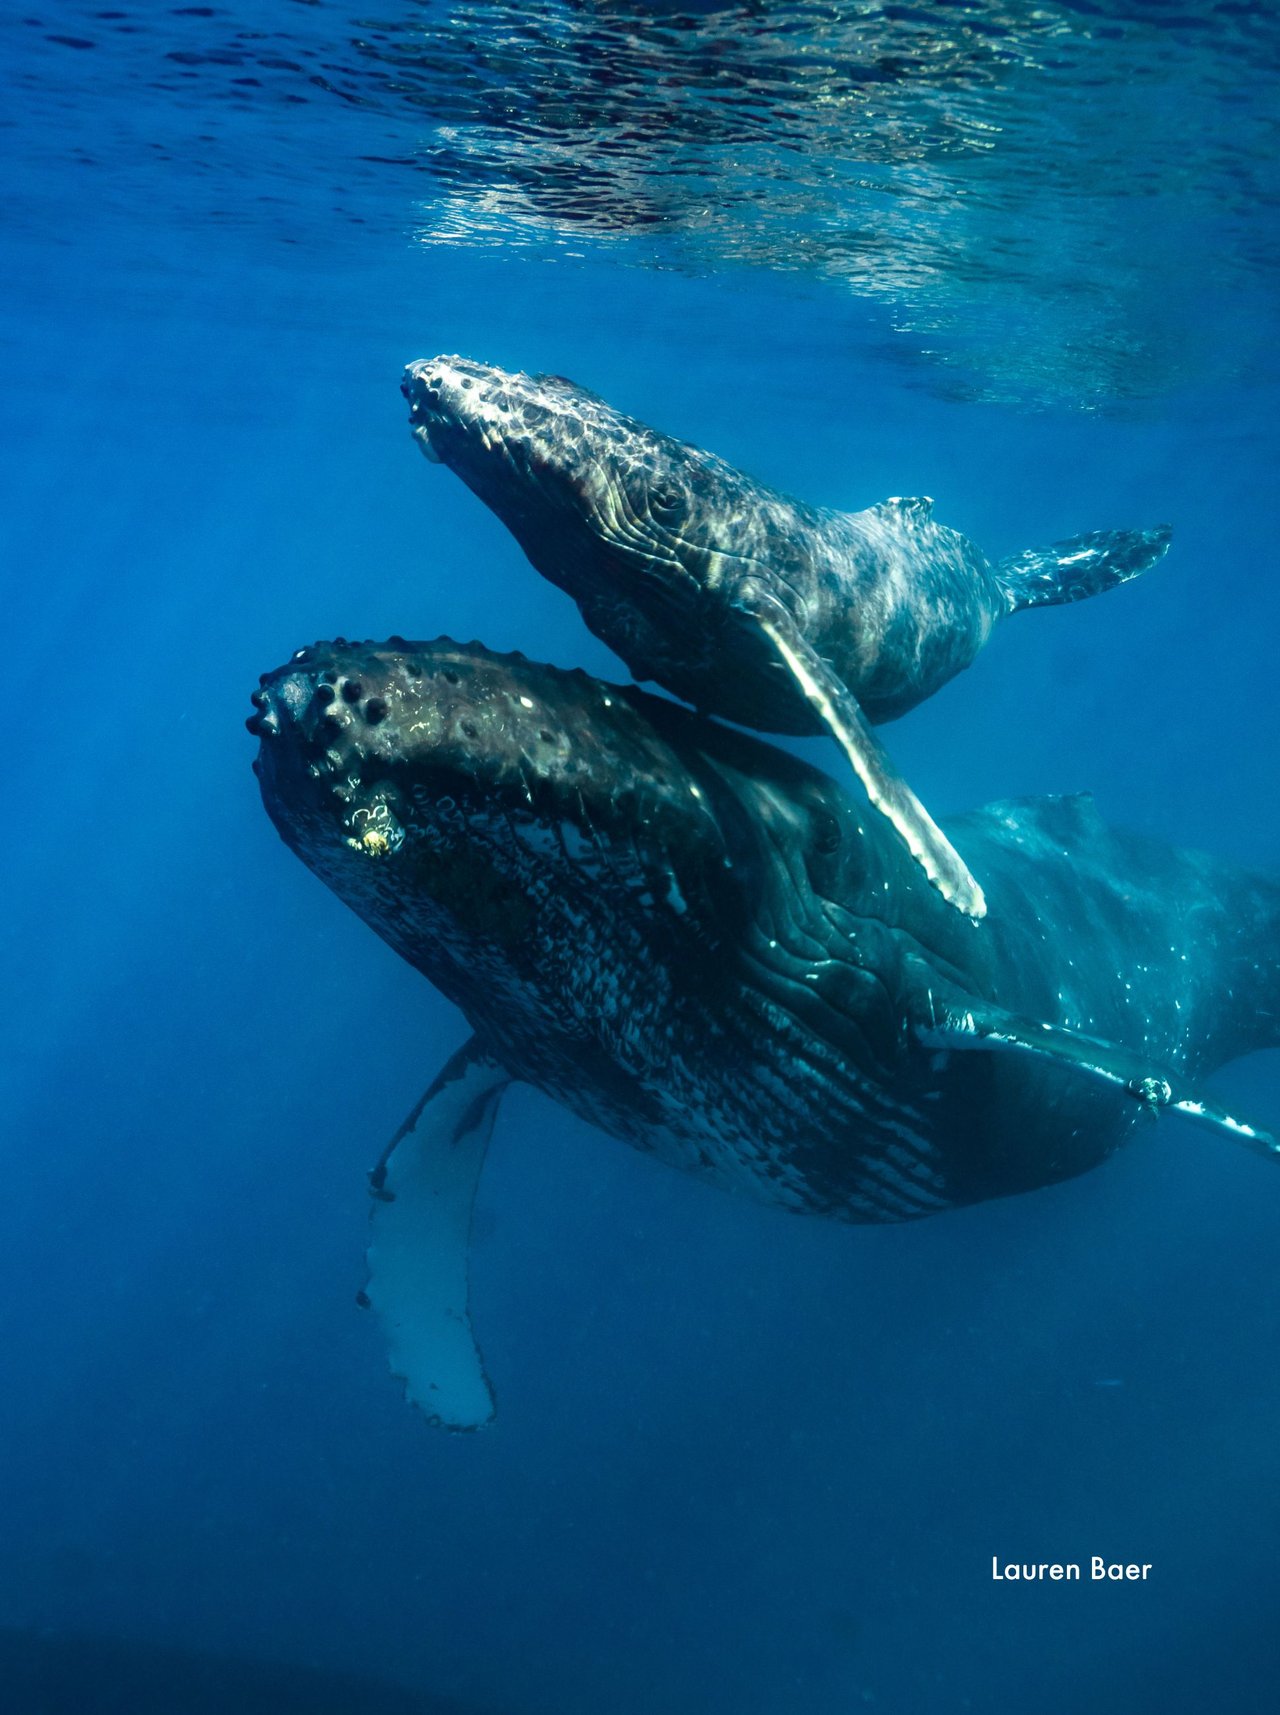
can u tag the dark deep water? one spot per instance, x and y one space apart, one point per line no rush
1022 259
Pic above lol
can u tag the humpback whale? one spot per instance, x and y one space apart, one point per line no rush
738 599
705 947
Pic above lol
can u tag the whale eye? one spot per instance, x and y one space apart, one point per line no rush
665 502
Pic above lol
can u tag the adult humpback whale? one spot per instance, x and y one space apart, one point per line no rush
741 600
700 944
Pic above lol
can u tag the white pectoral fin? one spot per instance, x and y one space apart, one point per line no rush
885 787
425 1187
1152 1087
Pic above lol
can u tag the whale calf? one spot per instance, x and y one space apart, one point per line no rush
703 946
741 600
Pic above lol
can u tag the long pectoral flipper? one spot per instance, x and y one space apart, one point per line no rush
425 1185
1153 1087
887 790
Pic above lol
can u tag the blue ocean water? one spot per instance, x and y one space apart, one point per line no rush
1021 259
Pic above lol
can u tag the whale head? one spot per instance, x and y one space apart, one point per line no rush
519 833
600 503
577 863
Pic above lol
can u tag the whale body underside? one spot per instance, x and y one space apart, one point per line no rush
705 947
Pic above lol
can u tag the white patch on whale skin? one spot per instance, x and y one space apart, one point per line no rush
422 434
295 692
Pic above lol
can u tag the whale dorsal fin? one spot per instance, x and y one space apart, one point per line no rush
885 787
424 1186
977 1024
909 509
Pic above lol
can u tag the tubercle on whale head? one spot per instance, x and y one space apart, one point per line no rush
585 489
398 753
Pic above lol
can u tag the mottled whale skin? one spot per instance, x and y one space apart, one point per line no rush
745 602
703 946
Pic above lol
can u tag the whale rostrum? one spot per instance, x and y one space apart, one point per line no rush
743 601
706 948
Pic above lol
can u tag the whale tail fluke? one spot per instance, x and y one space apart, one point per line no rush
1083 566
